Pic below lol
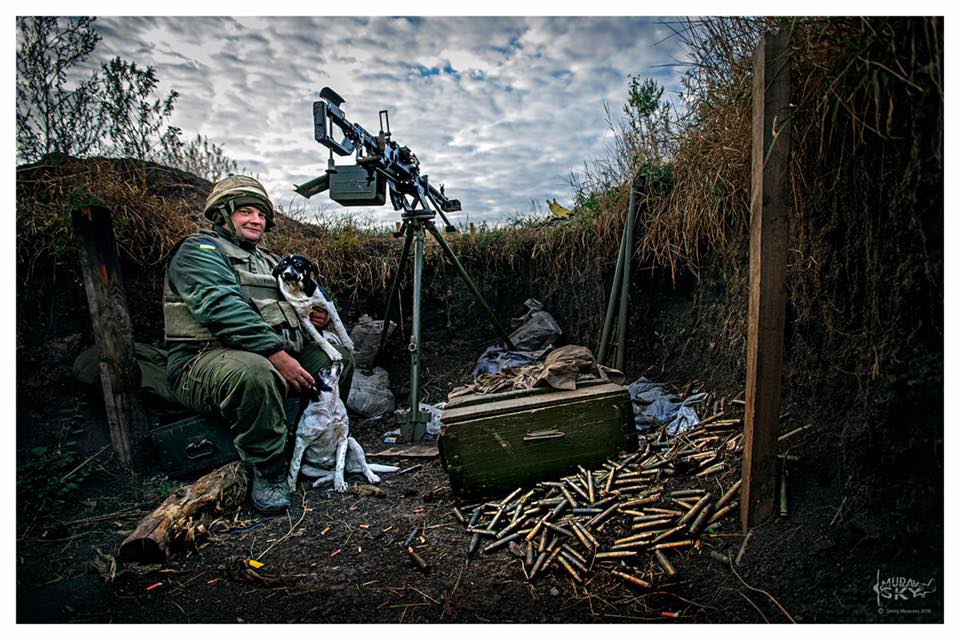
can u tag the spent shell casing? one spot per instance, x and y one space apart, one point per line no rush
559 529
667 512
664 563
668 533
586 533
538 564
784 505
559 508
475 517
634 538
638 502
590 486
516 524
643 584
632 488
553 555
585 511
486 533
612 555
570 551
701 520
723 512
636 544
610 478
411 537
528 556
709 471
500 543
651 524
692 513
602 502
544 533
549 502
513 494
459 516
674 545
687 493
573 560
536 528
421 563
580 490
568 497
566 565
516 513
496 517
720 557
580 536
474 543
731 492
603 515
640 516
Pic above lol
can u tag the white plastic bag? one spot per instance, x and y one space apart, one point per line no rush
370 395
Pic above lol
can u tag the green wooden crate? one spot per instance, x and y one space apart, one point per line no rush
490 444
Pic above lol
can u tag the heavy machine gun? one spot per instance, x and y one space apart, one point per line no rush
384 166
381 165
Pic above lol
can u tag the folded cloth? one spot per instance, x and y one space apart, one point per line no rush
561 369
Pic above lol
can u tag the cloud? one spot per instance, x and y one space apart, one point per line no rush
500 110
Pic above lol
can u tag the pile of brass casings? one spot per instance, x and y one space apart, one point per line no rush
625 517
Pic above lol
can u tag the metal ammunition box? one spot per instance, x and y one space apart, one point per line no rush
353 187
197 444
491 443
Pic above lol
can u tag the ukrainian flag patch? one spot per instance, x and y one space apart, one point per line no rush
206 245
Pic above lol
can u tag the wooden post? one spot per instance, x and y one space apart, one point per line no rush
769 204
119 372
473 234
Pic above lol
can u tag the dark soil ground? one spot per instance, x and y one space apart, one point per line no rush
336 558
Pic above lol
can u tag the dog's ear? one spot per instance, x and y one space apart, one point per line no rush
280 267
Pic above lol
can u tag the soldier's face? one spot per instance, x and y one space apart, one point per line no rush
249 222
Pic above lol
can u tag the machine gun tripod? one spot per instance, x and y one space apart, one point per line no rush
382 165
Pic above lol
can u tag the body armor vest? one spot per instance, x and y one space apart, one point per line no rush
258 286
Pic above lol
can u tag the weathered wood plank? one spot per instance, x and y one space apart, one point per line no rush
113 331
769 205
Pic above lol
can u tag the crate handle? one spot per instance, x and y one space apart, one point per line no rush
544 435
195 450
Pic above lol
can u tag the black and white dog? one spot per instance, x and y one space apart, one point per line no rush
324 450
295 274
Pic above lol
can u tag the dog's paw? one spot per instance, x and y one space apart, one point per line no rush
340 486
372 478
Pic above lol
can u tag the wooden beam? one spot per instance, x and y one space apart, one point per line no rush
769 204
119 372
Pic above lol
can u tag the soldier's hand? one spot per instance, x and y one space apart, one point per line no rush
319 317
296 376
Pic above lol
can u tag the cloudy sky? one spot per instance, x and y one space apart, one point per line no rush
500 110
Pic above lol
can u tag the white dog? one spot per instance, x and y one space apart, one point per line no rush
324 449
295 275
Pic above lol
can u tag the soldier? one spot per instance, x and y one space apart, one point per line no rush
236 347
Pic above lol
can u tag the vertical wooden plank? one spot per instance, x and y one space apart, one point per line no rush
119 372
769 204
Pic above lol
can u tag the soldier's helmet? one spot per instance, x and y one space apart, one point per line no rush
234 192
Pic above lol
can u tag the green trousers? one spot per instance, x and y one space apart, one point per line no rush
244 390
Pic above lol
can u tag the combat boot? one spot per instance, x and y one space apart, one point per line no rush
270 493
